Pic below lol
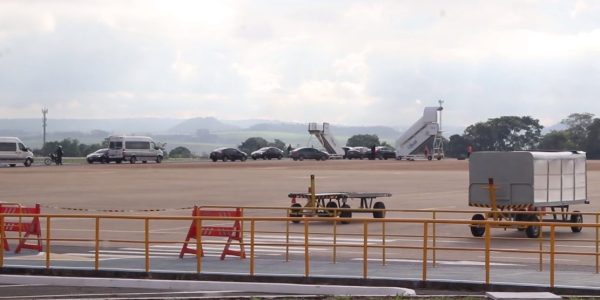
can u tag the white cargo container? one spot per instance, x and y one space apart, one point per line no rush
528 181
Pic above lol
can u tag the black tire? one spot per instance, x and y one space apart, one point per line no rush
89 161
324 158
132 160
47 161
330 213
429 157
301 157
253 157
345 214
279 157
295 159
243 158
144 161
295 212
159 159
214 159
379 214
12 165
119 161
224 159
533 231
576 218
477 231
105 160
28 162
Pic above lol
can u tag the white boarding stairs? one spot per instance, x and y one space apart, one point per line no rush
421 131
326 139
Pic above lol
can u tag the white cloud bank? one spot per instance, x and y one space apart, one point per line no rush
350 62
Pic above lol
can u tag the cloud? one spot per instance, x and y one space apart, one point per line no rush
350 62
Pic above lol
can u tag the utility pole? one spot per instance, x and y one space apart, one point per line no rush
44 112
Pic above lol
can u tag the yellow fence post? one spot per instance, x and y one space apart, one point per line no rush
287 238
198 244
365 248
147 243
541 245
306 254
334 240
424 258
488 244
383 248
48 242
552 256
252 232
434 237
97 245
597 245
2 233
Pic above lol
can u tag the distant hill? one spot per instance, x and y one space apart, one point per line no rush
191 126
117 126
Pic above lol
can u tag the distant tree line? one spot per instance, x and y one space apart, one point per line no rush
506 133
512 133
71 148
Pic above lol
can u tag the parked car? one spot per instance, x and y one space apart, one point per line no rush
309 153
267 153
101 156
225 154
383 152
358 153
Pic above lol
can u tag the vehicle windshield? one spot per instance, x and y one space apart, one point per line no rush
101 151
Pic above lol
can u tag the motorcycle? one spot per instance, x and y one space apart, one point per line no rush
51 159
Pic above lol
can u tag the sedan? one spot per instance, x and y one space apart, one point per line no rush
101 156
308 153
225 154
267 153
358 152
385 152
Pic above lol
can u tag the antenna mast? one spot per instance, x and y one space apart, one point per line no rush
44 112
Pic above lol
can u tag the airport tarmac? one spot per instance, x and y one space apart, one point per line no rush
170 189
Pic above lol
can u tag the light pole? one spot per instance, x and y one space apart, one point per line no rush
44 112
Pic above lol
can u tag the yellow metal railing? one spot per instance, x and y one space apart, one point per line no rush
429 246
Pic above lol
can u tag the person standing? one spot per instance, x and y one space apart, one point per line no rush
469 151
59 154
426 152
373 152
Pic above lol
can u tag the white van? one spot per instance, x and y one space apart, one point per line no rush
133 148
13 151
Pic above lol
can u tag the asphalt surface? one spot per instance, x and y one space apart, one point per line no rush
170 189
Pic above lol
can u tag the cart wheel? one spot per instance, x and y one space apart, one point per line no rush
533 231
295 212
330 213
378 214
345 214
577 218
477 230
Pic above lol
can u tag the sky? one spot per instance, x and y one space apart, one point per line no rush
359 63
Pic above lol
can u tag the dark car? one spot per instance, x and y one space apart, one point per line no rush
383 152
101 156
358 153
225 154
308 153
267 153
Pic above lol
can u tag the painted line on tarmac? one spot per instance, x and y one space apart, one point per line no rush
441 262
530 258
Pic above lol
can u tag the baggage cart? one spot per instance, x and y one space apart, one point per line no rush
520 181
